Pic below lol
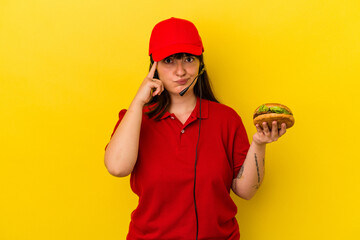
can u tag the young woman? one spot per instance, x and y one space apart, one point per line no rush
184 152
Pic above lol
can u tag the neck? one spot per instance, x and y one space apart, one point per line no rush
183 104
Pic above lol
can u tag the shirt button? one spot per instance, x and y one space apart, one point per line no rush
172 117
182 131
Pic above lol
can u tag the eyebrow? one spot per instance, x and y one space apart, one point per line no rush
180 55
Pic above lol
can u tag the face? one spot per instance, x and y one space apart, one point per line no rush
178 72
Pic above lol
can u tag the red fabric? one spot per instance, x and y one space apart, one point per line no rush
163 176
174 35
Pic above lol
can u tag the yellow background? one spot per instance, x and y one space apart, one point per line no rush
67 68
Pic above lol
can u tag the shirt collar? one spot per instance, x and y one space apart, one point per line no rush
166 114
204 109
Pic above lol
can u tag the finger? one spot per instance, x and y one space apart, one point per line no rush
160 83
258 128
162 87
157 88
266 128
155 92
152 70
274 130
283 129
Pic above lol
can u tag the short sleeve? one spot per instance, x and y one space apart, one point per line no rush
121 115
241 146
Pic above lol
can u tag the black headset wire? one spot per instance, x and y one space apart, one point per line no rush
196 159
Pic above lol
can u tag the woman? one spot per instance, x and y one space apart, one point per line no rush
185 152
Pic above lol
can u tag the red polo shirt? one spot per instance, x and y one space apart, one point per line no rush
163 176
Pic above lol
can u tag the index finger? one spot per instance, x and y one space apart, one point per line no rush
152 70
283 129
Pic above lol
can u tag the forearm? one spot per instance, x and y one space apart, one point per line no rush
251 173
122 150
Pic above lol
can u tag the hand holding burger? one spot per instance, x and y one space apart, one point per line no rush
271 121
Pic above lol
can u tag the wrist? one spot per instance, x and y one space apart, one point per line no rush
258 144
136 104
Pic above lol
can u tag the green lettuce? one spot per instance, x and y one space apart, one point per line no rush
263 108
279 110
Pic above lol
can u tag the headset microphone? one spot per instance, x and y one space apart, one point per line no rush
187 88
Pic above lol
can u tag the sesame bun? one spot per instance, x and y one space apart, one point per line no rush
269 117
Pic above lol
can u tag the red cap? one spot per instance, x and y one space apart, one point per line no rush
174 35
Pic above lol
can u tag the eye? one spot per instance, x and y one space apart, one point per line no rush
168 60
189 59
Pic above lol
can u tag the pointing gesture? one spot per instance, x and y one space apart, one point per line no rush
150 87
152 70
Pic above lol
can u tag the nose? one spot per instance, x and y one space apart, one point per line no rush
180 70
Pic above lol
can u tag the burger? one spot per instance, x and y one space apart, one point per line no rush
270 112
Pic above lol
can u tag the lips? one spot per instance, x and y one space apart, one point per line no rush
182 81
